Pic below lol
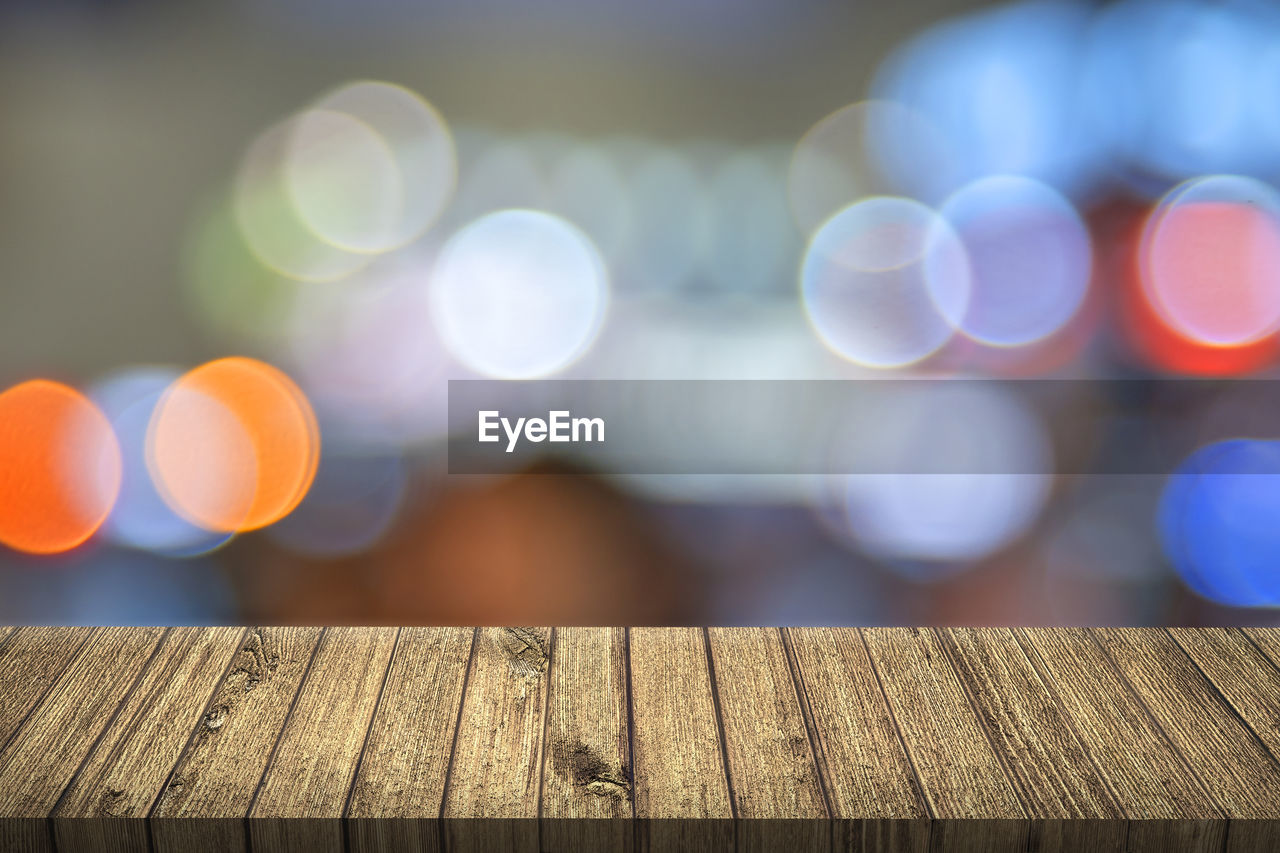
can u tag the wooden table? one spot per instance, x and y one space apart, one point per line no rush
363 739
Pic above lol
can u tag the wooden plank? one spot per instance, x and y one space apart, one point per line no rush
25 835
682 792
1248 680
1240 774
30 662
586 776
1054 777
712 739
399 789
204 804
491 796
874 795
301 799
774 777
1253 836
963 781
1243 675
1167 805
54 740
1267 640
128 768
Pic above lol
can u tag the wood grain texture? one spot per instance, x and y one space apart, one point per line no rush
1246 679
304 792
30 661
1267 640
491 799
44 753
696 739
56 738
218 773
872 790
682 789
398 792
1167 804
960 773
1244 676
25 835
776 786
1253 836
1242 777
587 799
1053 774
130 764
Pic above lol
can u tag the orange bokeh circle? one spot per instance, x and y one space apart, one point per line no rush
60 467
233 445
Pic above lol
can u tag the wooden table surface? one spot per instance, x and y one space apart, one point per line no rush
364 739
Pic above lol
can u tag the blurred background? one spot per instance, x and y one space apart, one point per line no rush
244 245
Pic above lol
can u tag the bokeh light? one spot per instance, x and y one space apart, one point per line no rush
1002 87
1147 337
343 180
1210 260
140 518
233 445
378 180
269 219
1217 522
59 467
999 471
1177 88
367 355
1029 256
367 168
856 152
881 279
518 294
1068 190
